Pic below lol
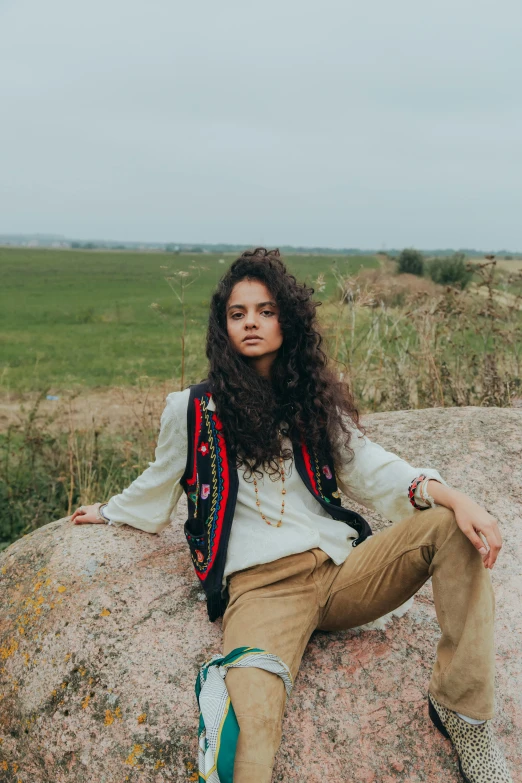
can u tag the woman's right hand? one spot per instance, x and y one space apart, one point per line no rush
85 515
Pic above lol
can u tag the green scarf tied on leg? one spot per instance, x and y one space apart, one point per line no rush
218 727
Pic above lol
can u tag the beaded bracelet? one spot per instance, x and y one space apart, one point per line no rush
411 492
424 494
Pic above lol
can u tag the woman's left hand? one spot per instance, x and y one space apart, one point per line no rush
475 521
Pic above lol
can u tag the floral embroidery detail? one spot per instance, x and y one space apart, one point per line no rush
327 472
199 556
193 497
205 491
203 449
336 494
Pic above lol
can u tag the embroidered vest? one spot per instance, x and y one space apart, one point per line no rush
211 484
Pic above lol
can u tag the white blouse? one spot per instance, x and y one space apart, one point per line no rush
374 477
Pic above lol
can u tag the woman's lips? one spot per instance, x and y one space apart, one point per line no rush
252 339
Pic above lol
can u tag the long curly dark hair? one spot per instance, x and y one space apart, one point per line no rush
302 390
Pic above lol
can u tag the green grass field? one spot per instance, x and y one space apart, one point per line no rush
84 318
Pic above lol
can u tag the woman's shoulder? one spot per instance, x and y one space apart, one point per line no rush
176 403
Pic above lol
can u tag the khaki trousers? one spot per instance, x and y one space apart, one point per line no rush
278 605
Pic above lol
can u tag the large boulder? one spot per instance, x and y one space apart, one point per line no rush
102 632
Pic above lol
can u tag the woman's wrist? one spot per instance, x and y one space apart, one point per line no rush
445 496
100 513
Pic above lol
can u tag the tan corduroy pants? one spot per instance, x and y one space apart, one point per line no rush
278 605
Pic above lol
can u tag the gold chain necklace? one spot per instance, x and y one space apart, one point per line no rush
283 493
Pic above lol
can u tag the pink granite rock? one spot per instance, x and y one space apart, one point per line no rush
102 631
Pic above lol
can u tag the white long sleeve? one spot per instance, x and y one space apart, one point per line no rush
379 479
149 502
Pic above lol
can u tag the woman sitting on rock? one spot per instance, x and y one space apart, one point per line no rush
262 449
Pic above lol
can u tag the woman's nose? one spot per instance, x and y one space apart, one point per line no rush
251 321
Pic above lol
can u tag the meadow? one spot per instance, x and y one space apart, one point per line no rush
76 318
117 331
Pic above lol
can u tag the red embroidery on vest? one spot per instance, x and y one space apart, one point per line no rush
205 491
199 556
308 466
219 490
197 432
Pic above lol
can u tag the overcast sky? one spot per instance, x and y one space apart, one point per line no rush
340 123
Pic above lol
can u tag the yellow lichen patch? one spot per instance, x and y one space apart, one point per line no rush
83 672
21 630
91 680
37 586
109 718
67 656
117 713
86 701
142 718
9 649
4 765
159 764
63 685
132 758
105 613
26 658
15 766
194 777
61 588
54 692
47 582
40 599
4 570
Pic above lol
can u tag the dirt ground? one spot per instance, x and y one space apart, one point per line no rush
116 409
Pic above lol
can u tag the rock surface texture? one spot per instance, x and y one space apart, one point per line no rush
102 632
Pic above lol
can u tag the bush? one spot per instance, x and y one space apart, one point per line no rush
451 270
411 261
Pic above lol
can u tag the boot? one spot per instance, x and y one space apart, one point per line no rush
480 758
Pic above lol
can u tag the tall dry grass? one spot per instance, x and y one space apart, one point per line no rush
405 342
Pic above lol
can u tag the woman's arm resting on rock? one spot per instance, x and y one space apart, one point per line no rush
473 520
150 500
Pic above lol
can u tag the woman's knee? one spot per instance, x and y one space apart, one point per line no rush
439 520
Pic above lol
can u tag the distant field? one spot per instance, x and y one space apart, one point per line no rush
84 318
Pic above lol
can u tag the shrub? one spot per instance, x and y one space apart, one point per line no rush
452 270
411 261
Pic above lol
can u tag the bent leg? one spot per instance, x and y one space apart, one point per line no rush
274 607
390 567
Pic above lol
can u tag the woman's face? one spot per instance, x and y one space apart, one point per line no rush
253 324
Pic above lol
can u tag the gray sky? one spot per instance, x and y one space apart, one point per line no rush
339 123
